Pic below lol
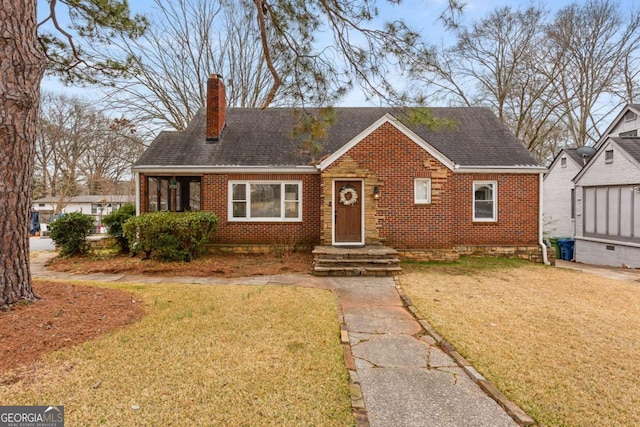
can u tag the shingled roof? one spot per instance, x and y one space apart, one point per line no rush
630 145
255 137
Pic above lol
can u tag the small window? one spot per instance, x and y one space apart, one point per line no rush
265 201
629 116
485 201
629 134
563 162
608 156
422 190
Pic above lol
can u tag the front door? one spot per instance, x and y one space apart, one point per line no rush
348 212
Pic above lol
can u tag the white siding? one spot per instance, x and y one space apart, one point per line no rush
557 188
620 171
607 253
625 126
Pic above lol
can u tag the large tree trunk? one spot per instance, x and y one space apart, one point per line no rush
21 68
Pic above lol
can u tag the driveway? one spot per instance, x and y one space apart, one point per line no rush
41 244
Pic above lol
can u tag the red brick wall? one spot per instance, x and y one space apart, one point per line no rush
447 221
518 201
215 199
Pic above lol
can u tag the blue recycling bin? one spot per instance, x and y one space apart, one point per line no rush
566 248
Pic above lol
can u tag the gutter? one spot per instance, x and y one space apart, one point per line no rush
545 259
137 175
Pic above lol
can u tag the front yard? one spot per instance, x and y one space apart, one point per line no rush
201 355
561 344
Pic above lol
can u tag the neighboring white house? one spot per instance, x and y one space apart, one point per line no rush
608 204
559 200
96 205
626 124
576 173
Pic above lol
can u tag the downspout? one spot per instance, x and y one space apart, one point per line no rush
137 193
543 246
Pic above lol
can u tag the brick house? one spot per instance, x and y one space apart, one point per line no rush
379 179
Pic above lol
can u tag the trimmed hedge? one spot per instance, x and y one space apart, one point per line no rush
171 236
115 221
69 233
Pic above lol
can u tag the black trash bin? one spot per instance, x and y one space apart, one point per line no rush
566 248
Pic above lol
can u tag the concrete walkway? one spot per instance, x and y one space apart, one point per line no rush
406 379
617 273
399 375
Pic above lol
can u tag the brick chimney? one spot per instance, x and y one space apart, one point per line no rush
216 105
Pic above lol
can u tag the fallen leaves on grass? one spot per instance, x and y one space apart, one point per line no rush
219 265
64 315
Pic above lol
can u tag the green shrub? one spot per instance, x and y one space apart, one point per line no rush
69 233
115 221
171 236
193 230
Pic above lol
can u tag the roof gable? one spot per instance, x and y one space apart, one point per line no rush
635 108
387 118
629 147
569 153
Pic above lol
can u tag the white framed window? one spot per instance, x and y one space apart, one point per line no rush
422 190
608 156
485 201
563 162
265 201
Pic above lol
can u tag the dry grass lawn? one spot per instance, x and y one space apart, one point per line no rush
564 345
202 355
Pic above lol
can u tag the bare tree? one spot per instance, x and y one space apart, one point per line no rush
112 149
551 80
494 64
186 42
81 149
594 44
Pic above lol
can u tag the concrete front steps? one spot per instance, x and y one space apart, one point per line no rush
361 261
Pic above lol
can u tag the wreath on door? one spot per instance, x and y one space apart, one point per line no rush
348 196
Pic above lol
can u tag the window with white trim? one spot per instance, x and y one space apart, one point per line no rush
265 201
608 156
422 190
485 201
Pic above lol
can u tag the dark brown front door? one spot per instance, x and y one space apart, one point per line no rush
348 212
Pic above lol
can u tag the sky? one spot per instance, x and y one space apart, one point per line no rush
420 14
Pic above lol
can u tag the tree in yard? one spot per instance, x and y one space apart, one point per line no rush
21 66
268 52
23 59
493 63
